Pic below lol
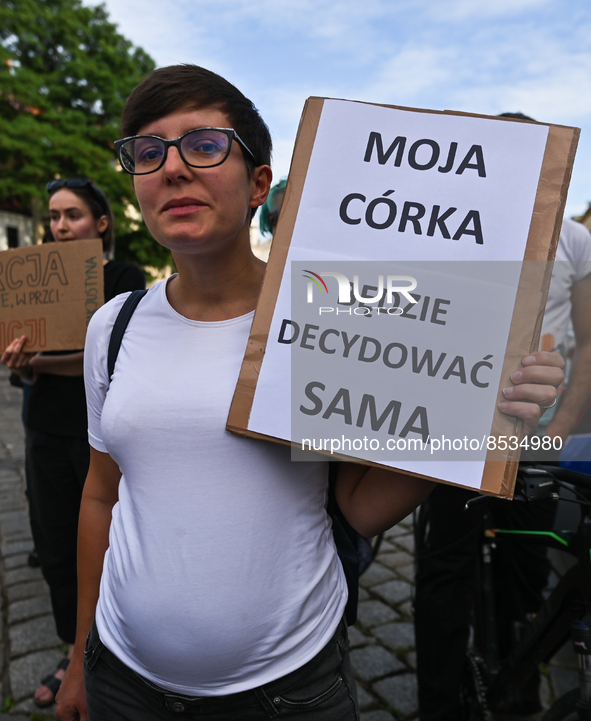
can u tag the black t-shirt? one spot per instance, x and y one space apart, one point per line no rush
58 403
121 278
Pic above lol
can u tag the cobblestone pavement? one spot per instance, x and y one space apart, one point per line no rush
382 642
30 647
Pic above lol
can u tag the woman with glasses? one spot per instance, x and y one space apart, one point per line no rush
57 451
209 583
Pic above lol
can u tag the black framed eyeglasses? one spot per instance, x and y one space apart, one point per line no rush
200 148
79 182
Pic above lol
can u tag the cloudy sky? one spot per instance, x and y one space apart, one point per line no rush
481 56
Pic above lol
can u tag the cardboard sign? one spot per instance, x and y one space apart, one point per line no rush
407 279
49 293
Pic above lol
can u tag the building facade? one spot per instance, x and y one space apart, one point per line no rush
16 229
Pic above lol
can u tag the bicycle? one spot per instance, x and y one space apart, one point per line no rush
561 613
490 682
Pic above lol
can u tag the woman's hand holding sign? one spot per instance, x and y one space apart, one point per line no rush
534 388
374 499
15 358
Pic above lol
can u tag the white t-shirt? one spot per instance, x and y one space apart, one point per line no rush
572 263
222 573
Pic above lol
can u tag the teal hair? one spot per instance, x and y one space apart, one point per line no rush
271 207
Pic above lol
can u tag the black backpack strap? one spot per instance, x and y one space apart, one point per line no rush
121 322
346 541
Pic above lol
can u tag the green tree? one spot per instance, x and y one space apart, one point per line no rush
65 73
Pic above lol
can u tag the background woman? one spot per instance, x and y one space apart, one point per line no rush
57 451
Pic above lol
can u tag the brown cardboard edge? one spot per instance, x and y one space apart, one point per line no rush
349 459
501 466
240 407
328 455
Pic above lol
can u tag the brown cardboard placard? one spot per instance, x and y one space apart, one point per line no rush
49 293
544 229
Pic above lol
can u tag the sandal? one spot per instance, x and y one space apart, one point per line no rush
53 684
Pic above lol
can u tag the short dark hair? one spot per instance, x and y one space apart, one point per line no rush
99 205
179 87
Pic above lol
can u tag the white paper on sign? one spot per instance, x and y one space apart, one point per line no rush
387 185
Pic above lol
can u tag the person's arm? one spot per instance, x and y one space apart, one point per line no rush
375 499
30 364
71 364
99 496
578 388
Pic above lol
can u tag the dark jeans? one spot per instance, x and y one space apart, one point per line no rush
445 584
56 468
321 690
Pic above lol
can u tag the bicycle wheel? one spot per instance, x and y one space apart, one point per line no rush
473 691
565 709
